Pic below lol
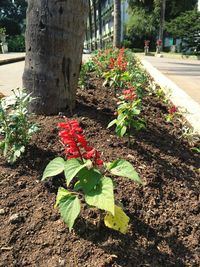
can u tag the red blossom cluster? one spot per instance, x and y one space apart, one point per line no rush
159 42
130 93
146 43
173 109
108 51
120 62
76 146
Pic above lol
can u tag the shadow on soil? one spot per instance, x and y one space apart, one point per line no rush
158 250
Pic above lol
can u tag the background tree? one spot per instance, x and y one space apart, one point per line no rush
95 22
162 21
117 24
187 27
54 42
12 18
12 15
90 24
150 12
100 23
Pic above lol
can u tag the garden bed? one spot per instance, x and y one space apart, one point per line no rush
164 213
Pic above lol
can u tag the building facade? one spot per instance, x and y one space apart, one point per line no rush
101 21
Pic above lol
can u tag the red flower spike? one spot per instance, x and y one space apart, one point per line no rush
173 109
76 146
130 94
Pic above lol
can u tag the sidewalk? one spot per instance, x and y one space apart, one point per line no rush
11 74
182 79
11 58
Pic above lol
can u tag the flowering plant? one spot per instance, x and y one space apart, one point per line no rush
86 69
159 42
85 170
117 73
101 60
128 111
173 112
16 129
146 43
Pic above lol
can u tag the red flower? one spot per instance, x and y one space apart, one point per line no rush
76 146
130 94
173 109
120 62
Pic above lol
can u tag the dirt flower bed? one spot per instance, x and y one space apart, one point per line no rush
164 213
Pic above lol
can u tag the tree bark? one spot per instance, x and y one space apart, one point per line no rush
117 24
95 23
54 42
100 24
90 24
162 21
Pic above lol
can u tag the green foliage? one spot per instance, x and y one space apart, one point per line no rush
144 18
2 31
91 184
196 149
54 167
15 128
127 43
86 68
12 26
12 16
16 43
141 24
186 27
102 195
69 207
128 118
123 168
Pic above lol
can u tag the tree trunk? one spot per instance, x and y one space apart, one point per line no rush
162 21
95 23
54 42
117 24
100 24
90 24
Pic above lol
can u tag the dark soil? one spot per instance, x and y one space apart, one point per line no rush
164 214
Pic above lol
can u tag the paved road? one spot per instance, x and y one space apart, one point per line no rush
11 77
185 73
11 56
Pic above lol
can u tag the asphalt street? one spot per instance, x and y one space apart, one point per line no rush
183 72
11 75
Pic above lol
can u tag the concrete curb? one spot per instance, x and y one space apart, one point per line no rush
178 96
11 60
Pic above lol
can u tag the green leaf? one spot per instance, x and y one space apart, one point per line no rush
102 196
72 167
112 123
69 207
62 192
119 221
136 111
89 179
54 167
196 149
77 186
123 168
123 131
121 118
